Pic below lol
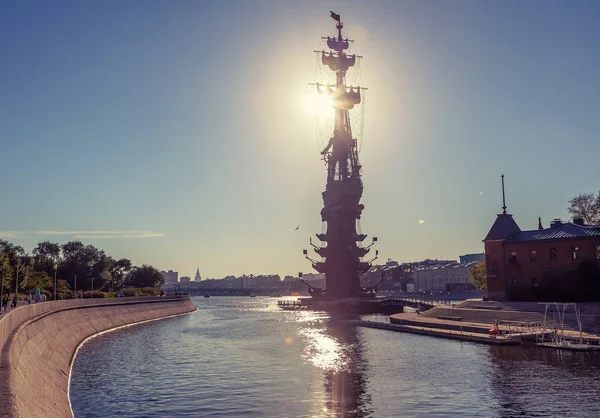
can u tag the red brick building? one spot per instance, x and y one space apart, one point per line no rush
555 263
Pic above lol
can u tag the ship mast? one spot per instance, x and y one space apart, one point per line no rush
341 248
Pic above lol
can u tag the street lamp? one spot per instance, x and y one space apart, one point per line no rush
17 281
55 269
2 286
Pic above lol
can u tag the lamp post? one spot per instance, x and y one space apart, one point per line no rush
75 286
2 286
55 269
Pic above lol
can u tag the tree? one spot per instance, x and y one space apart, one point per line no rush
36 279
47 256
478 276
145 276
586 206
6 273
118 271
87 263
15 254
63 289
16 260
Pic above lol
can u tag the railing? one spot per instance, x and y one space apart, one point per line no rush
289 303
422 301
292 304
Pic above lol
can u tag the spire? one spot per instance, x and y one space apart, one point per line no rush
197 278
503 197
540 227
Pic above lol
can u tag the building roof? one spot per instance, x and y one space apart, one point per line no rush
561 231
504 227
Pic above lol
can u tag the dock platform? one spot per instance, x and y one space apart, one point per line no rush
441 333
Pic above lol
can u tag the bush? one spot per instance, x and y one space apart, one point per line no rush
130 292
143 291
94 294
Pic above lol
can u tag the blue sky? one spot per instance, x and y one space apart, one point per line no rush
177 133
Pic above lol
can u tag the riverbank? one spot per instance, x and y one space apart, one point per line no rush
38 343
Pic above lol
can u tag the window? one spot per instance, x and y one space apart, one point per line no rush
533 256
534 282
597 251
575 253
513 257
553 254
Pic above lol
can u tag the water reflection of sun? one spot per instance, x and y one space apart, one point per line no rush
322 350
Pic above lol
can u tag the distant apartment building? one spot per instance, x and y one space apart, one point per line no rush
314 279
445 277
470 258
170 276
185 279
395 277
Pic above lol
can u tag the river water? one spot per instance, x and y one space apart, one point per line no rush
243 357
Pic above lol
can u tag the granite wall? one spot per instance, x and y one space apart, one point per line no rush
38 343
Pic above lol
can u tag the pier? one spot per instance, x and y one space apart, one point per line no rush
388 305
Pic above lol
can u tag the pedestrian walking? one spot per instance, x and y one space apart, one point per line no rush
4 303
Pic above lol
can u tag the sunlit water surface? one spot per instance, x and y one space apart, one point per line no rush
243 357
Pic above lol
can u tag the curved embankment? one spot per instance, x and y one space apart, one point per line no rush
38 343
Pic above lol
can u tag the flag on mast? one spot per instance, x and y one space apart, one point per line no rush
335 16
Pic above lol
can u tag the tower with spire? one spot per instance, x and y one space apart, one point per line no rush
197 277
341 248
503 228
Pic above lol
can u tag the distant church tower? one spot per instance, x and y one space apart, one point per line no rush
197 277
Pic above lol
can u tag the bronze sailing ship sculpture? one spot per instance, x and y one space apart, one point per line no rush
341 247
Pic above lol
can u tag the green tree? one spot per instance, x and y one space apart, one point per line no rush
36 279
15 253
47 257
118 271
145 276
87 263
6 274
63 290
478 276
18 262
586 206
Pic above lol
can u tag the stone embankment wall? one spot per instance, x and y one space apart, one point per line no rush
38 343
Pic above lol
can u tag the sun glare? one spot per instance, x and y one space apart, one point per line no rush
320 105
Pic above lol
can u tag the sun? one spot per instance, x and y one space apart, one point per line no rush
320 105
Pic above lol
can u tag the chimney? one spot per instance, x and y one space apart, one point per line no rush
555 223
578 221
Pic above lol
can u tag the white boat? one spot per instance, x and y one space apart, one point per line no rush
252 295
